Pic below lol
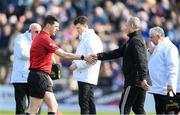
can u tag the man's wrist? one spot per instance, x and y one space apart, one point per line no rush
99 56
82 57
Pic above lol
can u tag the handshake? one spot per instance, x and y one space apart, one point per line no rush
90 59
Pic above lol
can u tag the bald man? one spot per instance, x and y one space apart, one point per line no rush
20 72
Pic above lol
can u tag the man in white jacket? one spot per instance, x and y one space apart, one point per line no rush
86 74
163 68
20 66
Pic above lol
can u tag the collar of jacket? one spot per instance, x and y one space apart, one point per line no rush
137 32
28 35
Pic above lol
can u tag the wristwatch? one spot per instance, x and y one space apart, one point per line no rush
82 57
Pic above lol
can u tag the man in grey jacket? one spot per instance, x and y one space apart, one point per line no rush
134 68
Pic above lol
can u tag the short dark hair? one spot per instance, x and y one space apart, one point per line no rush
81 20
50 20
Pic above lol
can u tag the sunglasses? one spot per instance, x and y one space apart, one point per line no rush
36 32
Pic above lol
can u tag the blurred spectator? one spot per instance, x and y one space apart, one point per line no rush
70 10
169 29
100 16
105 78
18 30
176 39
118 82
4 53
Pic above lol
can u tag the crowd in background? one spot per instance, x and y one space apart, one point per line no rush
107 17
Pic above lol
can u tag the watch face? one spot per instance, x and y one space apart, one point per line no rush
82 57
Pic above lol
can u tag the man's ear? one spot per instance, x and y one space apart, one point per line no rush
85 25
158 36
48 25
132 26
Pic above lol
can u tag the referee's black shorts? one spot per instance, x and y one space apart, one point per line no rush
39 82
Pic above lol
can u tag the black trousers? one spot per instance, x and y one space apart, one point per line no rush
178 96
86 98
132 97
21 94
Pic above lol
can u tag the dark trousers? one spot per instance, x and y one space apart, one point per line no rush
160 104
178 96
132 97
86 98
21 94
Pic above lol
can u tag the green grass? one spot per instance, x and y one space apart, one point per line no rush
69 113
63 113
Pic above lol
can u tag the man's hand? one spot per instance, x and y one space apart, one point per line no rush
90 59
145 85
169 88
73 67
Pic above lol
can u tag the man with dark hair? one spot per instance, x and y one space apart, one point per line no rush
134 68
50 20
40 66
81 20
86 74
